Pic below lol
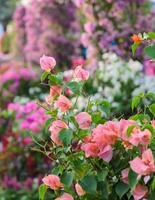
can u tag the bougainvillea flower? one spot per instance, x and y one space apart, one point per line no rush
90 149
125 173
65 196
81 74
144 165
52 181
55 90
140 192
106 153
84 120
47 63
79 190
104 134
140 137
63 103
55 128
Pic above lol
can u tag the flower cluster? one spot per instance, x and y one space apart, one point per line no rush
47 32
108 24
88 151
12 74
29 116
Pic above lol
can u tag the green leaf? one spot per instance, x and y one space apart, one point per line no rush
135 102
152 108
89 184
151 35
67 179
140 117
150 128
121 189
66 135
151 195
44 76
42 191
96 117
150 51
129 130
105 107
104 188
151 95
132 177
55 79
101 175
74 86
153 183
47 124
134 48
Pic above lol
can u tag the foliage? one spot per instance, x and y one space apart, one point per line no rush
95 156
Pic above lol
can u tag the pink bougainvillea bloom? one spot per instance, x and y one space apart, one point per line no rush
55 128
47 63
52 181
125 173
68 75
81 74
90 149
79 190
123 127
144 165
63 103
140 137
55 90
106 153
84 120
140 192
105 134
65 196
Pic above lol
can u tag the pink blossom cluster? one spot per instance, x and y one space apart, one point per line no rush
13 73
30 116
103 138
47 31
109 23
101 142
54 183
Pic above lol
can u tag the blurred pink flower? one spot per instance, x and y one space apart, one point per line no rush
47 63
55 128
79 190
81 74
125 173
84 120
140 192
89 27
65 196
85 40
52 181
55 90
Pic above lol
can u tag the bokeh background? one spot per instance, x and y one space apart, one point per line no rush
93 33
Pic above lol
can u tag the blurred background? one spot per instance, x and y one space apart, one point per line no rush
95 34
